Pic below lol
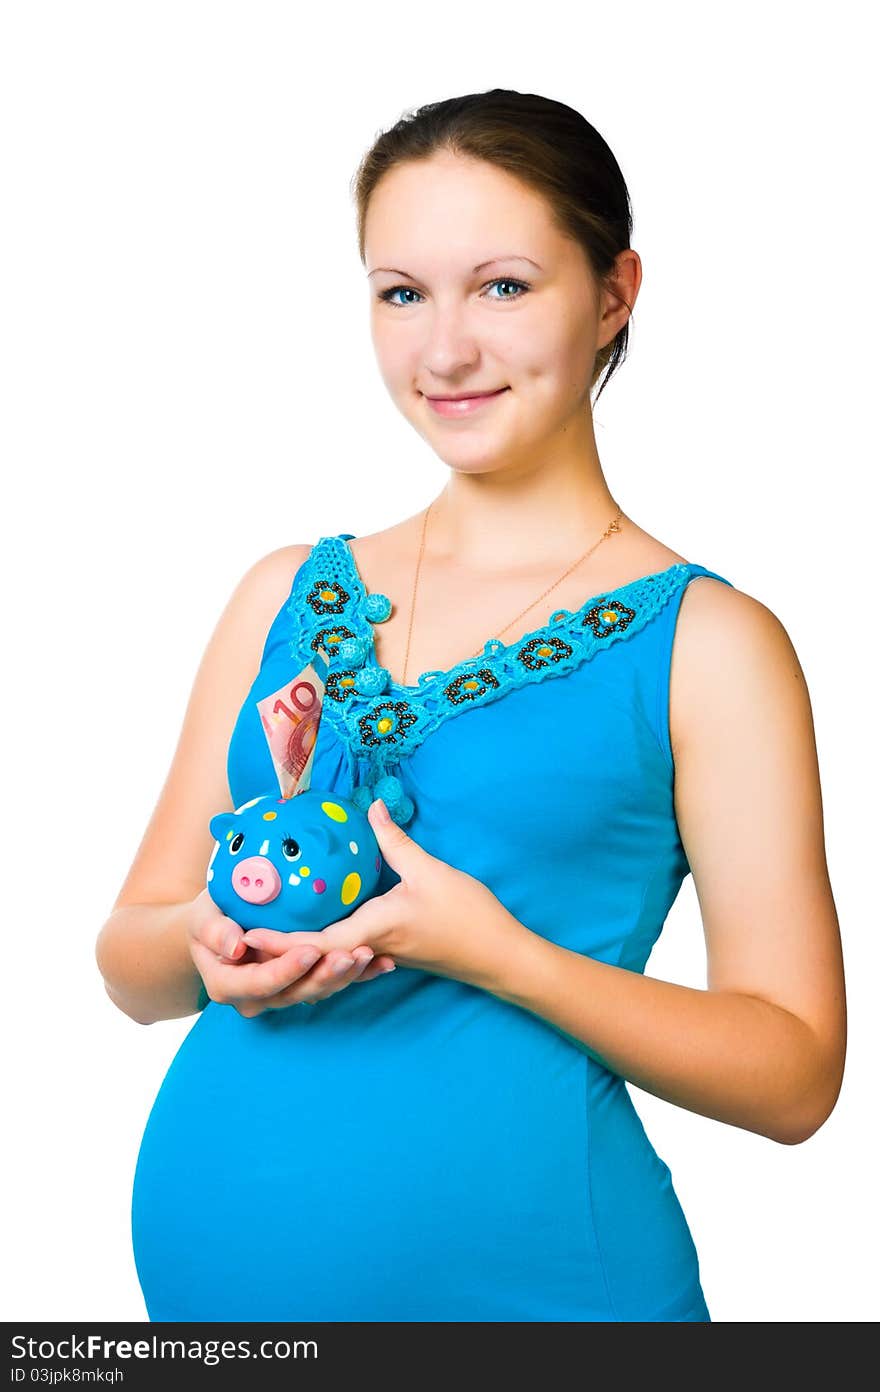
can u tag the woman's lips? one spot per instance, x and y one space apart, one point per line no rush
465 406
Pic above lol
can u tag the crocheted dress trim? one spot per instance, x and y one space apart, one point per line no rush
380 721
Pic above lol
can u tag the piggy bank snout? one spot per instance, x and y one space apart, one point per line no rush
256 881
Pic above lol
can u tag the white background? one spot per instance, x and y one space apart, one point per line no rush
185 341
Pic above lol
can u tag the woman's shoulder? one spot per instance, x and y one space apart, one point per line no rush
265 587
277 569
730 652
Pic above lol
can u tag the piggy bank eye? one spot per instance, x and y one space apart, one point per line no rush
236 843
291 849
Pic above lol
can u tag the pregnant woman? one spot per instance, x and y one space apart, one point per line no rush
422 1113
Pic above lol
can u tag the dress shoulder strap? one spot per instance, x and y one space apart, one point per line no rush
664 639
701 570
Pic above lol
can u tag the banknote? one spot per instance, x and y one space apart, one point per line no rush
290 718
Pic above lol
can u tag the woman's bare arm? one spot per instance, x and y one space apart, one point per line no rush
142 950
763 1047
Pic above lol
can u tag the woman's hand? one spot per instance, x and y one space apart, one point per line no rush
437 918
257 979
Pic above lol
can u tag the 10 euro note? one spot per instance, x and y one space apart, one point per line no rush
290 718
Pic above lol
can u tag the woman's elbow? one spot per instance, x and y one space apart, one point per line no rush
126 1010
796 1135
816 1105
104 961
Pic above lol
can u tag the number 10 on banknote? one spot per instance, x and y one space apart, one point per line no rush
290 718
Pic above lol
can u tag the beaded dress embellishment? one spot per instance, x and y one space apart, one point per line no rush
378 721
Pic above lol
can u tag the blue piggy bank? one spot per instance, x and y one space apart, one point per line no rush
295 863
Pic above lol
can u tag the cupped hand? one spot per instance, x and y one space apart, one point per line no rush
437 918
284 969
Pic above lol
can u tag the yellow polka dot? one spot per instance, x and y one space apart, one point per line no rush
332 809
230 833
304 870
269 816
351 888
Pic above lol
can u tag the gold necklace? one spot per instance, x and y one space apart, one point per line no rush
613 526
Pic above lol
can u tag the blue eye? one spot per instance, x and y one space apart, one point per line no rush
408 290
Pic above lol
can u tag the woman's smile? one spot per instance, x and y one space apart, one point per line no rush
452 408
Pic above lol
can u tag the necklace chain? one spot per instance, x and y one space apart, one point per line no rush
613 526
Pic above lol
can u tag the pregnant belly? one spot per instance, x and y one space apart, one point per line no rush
422 1155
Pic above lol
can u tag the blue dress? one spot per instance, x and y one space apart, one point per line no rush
415 1148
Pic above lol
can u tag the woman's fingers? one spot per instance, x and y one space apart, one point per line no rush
234 951
322 981
265 977
378 967
325 978
273 942
332 974
336 970
239 980
211 926
228 940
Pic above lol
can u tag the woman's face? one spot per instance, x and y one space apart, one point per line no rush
529 324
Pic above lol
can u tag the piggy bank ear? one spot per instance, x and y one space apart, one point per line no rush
220 824
290 718
323 835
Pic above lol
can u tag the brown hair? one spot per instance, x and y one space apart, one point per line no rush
544 143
